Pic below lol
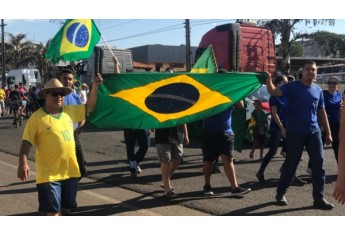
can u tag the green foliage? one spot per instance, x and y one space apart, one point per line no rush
334 44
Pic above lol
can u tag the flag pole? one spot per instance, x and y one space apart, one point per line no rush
116 70
108 46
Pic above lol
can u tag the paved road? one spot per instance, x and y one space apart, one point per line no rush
105 153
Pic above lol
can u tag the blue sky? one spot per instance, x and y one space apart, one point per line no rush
127 33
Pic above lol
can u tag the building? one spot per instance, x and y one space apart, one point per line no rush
160 57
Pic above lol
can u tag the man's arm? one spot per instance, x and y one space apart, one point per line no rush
339 189
116 65
322 116
92 100
23 167
272 90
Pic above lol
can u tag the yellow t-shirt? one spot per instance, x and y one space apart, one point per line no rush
2 95
54 140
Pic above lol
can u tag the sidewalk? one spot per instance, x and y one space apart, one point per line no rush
94 198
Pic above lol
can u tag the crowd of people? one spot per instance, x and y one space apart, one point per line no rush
304 116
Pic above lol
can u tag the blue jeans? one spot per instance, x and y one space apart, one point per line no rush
275 137
52 196
295 145
142 136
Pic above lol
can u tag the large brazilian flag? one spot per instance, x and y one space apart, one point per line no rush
74 41
150 100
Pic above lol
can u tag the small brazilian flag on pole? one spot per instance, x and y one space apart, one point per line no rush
149 100
74 41
206 62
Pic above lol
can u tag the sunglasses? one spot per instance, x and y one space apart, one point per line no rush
332 83
57 93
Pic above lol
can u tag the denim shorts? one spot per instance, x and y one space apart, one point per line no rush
53 196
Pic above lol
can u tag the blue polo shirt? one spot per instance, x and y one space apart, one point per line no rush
281 103
304 101
332 106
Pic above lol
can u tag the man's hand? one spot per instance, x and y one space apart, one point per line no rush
98 80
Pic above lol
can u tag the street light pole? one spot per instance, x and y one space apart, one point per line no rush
3 53
188 52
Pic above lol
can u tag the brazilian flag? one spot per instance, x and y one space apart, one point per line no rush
150 101
77 82
206 62
74 41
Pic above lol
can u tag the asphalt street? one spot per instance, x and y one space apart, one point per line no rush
102 192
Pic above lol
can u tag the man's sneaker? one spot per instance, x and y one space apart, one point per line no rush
138 169
298 182
308 170
323 205
240 191
281 200
260 177
134 173
208 190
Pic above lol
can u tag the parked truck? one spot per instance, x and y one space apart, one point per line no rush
242 47
101 62
29 77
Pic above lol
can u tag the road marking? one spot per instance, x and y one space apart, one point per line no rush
100 196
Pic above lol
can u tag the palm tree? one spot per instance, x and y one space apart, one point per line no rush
285 28
19 53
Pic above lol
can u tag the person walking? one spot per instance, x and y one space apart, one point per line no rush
333 106
260 129
218 140
133 136
50 129
169 143
306 108
277 130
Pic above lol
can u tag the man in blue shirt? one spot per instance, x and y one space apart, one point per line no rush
306 107
218 140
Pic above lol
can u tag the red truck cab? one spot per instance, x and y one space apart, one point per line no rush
241 47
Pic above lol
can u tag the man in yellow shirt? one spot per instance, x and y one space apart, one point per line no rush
51 130
2 102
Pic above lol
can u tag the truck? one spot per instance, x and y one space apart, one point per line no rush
241 47
101 62
29 77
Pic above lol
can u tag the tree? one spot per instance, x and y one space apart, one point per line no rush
19 53
285 28
333 44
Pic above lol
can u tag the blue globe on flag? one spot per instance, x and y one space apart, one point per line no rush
78 35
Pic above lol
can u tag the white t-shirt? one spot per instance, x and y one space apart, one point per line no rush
83 96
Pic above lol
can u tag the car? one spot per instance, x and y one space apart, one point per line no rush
262 95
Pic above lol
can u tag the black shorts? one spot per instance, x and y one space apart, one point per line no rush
214 144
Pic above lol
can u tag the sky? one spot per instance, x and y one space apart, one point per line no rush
127 33
136 23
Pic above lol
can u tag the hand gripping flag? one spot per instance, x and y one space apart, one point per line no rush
149 100
74 41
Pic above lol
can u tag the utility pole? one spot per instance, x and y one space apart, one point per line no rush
3 53
188 51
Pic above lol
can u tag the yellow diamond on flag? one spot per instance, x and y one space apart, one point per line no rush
202 99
